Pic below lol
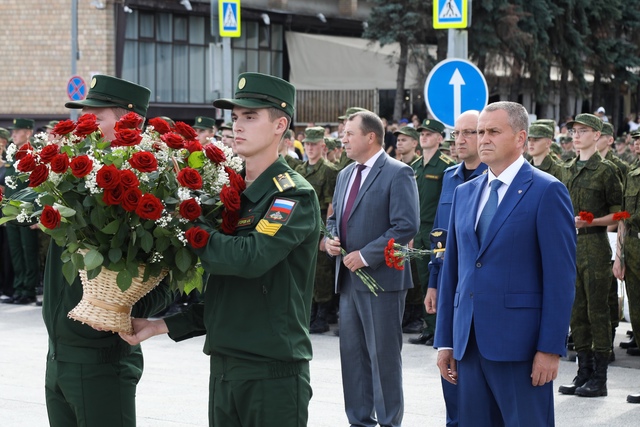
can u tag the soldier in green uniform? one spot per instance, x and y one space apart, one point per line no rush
595 188
344 160
92 375
23 241
257 301
322 175
407 140
539 147
429 170
623 151
566 143
626 265
285 149
331 153
226 134
206 128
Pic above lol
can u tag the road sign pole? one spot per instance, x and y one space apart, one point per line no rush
458 44
73 114
227 83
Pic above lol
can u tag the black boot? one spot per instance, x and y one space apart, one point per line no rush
320 325
414 319
585 370
597 384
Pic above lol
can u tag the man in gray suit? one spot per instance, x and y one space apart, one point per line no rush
376 199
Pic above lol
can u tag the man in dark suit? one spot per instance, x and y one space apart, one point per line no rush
376 199
507 286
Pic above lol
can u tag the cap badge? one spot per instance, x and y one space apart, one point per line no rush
130 106
242 83
283 105
427 122
199 119
93 82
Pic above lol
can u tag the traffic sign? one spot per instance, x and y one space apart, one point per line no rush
76 88
229 18
453 87
450 13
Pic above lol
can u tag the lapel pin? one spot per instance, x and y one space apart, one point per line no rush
519 191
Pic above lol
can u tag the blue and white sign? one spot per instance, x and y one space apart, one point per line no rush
453 87
450 14
229 17
76 88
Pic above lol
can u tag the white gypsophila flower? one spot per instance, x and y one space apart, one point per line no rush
23 216
11 151
38 200
41 139
235 163
10 182
156 257
181 236
55 178
164 220
184 194
91 183
147 141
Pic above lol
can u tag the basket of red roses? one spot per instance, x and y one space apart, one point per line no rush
124 211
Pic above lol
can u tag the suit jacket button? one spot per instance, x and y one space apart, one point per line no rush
471 295
478 264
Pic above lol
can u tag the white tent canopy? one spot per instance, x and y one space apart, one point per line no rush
321 62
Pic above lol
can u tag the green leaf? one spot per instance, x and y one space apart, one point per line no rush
124 280
132 268
146 242
112 227
98 217
118 265
69 271
162 243
183 259
65 212
115 255
93 259
6 219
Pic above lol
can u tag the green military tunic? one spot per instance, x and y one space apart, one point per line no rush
292 162
91 375
631 247
322 177
258 300
344 161
594 188
553 168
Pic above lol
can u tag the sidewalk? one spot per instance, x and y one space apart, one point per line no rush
174 388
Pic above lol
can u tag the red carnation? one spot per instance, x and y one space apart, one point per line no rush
131 199
27 163
127 138
108 177
150 207
586 216
190 209
160 125
63 127
186 131
621 216
215 154
38 176
130 120
48 152
173 140
87 124
190 178
60 163
197 237
113 196
50 217
229 221
81 166
144 161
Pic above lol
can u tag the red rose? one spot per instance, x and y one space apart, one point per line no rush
60 163
1 194
235 179
229 221
215 154
27 163
63 127
173 140
186 131
160 125
39 175
193 145
150 207
81 166
190 178
131 199
50 217
230 198
87 125
113 197
197 237
108 177
129 179
23 151
127 138
190 209
144 161
130 120
48 152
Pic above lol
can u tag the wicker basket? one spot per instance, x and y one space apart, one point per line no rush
104 306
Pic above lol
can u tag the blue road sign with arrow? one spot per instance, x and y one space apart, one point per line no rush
453 87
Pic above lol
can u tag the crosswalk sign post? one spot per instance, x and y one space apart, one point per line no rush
229 18
450 14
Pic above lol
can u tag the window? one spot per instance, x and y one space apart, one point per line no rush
171 55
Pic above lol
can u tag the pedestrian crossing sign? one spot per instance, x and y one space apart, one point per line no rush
450 14
229 18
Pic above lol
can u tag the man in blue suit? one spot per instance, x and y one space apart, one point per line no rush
376 199
507 287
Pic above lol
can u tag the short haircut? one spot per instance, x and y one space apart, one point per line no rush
370 122
276 113
518 115
288 134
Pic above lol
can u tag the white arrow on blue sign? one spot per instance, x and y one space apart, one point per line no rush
453 87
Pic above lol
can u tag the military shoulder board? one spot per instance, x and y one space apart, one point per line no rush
284 182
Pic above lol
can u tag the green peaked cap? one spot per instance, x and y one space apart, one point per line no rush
257 90
109 91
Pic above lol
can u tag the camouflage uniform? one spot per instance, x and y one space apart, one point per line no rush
292 162
631 250
553 168
594 188
344 161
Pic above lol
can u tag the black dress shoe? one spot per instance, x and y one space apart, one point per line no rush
629 344
24 300
633 398
425 338
633 351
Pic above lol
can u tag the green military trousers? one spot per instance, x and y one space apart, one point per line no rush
632 280
25 258
92 394
245 393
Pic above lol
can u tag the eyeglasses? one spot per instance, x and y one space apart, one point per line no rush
580 132
465 133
